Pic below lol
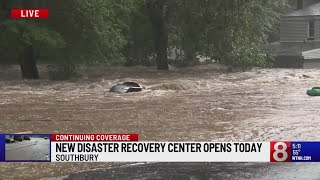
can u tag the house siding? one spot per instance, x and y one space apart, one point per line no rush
296 29
293 30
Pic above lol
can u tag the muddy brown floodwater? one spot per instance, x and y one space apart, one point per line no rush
195 104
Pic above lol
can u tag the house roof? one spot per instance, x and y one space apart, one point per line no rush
312 54
313 10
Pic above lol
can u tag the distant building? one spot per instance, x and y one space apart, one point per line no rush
299 45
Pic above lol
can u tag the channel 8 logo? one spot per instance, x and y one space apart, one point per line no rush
280 151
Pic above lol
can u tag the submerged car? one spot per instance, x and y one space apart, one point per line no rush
127 87
10 140
26 138
17 138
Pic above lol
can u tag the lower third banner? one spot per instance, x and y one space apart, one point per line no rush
127 148
160 152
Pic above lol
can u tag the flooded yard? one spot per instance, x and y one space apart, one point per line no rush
198 104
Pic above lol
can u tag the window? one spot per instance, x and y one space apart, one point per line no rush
311 30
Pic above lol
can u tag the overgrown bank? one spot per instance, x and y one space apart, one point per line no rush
139 32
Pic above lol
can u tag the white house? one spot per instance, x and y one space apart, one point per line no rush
299 45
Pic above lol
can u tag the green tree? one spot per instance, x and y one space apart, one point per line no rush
229 32
76 31
133 31
20 38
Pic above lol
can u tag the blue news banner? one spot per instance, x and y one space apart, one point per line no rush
305 151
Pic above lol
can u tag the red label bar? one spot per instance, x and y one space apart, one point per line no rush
30 13
94 137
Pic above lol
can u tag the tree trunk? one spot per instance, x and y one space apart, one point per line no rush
188 49
158 19
28 64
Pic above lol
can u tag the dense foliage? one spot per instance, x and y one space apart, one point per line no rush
133 32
